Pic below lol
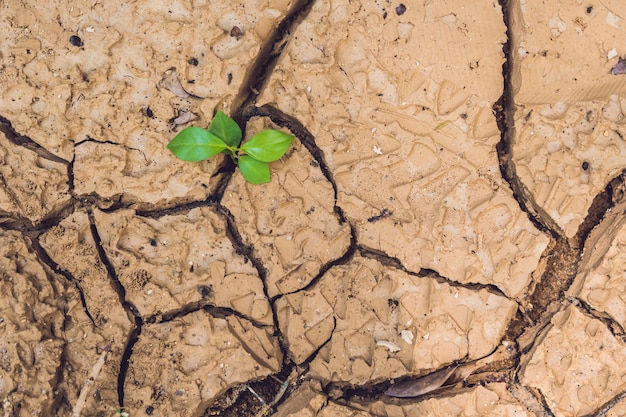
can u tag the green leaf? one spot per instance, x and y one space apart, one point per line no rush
226 129
268 145
255 172
195 144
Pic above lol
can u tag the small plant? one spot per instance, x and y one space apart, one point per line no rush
120 413
223 135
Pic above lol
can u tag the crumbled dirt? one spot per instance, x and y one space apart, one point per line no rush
445 236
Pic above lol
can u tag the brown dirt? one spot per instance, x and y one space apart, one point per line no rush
445 236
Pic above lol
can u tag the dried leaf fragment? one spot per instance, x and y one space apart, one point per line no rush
170 82
620 67
184 117
422 385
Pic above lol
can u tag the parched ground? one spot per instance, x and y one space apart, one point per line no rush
445 237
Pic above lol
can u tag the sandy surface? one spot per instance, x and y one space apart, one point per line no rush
445 237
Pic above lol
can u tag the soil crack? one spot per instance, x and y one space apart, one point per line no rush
564 259
46 259
24 141
267 57
307 139
504 110
133 313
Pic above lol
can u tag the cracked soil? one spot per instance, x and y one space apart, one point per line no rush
445 237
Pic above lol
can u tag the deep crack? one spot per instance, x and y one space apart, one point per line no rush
260 71
132 312
24 141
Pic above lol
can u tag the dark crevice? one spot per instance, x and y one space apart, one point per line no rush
273 390
609 322
175 210
542 401
304 366
537 216
533 401
395 263
56 216
70 177
518 326
382 258
131 311
474 286
20 223
265 61
61 404
504 110
59 378
243 249
561 257
254 398
342 260
306 138
247 251
213 310
112 273
12 221
123 202
59 407
446 381
227 169
10 193
110 142
226 403
613 194
344 393
561 268
46 259
348 395
24 141
604 409
133 337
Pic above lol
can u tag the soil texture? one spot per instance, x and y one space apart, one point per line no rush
446 235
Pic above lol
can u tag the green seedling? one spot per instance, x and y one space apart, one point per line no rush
120 413
194 144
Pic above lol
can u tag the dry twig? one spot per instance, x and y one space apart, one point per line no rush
95 371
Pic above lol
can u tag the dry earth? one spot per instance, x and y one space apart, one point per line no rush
446 236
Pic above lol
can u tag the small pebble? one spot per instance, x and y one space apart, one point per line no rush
76 41
235 32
